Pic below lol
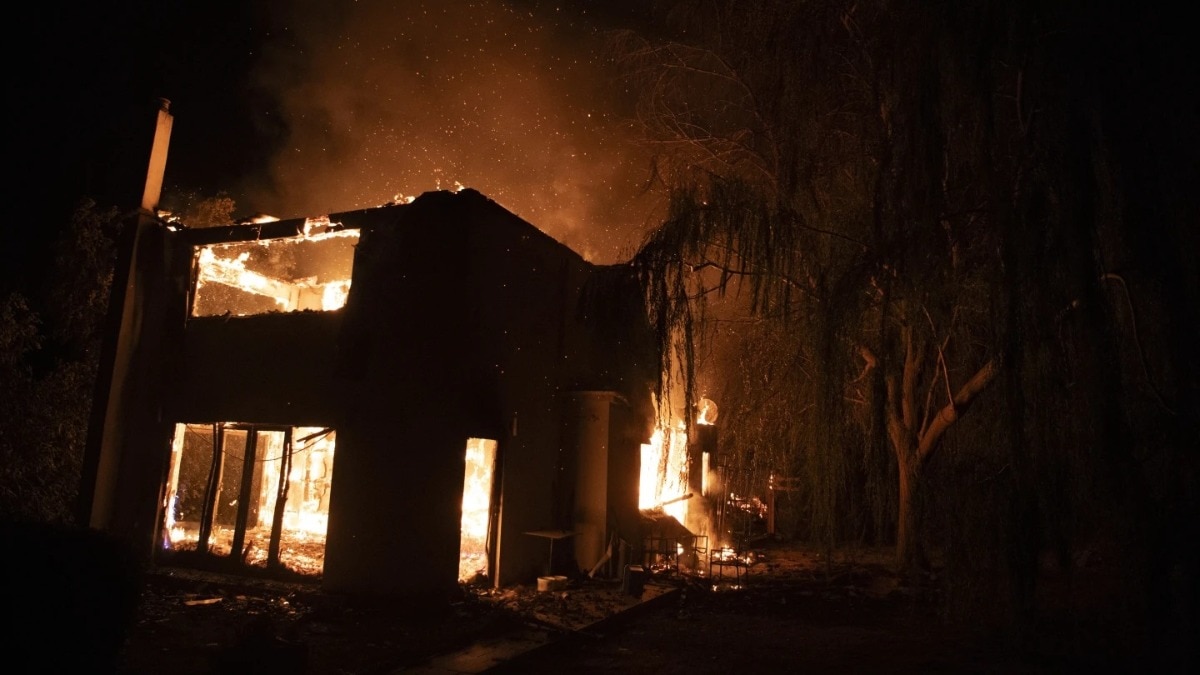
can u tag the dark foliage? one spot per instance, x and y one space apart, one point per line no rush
958 230
71 598
49 353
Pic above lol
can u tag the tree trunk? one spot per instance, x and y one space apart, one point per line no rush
915 432
910 558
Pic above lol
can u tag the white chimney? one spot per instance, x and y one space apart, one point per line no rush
158 157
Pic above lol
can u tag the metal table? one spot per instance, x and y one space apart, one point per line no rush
553 536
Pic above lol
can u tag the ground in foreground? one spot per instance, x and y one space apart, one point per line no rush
793 609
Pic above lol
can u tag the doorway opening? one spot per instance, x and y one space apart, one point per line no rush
474 548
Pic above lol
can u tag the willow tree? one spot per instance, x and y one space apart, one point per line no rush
835 160
950 206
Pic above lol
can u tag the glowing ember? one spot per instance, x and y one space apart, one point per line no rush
314 226
335 294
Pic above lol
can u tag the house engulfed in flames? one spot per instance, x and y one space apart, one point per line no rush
391 400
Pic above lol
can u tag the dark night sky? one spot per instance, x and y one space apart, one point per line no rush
299 109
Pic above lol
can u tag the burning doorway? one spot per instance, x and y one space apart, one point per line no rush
253 495
665 472
474 550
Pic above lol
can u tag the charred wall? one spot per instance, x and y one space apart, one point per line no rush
393 523
457 326
270 368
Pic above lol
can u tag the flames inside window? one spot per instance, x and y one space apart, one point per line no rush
476 508
307 272
256 495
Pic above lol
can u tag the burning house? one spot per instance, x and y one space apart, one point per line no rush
391 400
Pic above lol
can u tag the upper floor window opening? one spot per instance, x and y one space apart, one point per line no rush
306 272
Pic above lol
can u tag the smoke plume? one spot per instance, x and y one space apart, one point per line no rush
381 101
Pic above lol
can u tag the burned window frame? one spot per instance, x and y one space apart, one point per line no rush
214 489
299 229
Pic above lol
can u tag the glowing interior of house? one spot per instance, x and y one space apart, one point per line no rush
307 272
257 492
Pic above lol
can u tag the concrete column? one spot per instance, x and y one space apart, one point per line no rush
591 439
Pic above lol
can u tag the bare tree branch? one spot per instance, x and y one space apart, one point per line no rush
944 375
949 414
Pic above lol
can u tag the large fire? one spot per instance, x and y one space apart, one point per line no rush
223 489
664 473
476 508
310 271
666 466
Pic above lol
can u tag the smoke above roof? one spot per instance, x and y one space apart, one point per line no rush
379 101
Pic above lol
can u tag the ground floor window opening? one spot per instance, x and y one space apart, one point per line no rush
249 495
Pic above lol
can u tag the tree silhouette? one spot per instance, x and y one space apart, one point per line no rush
50 343
923 206
49 353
